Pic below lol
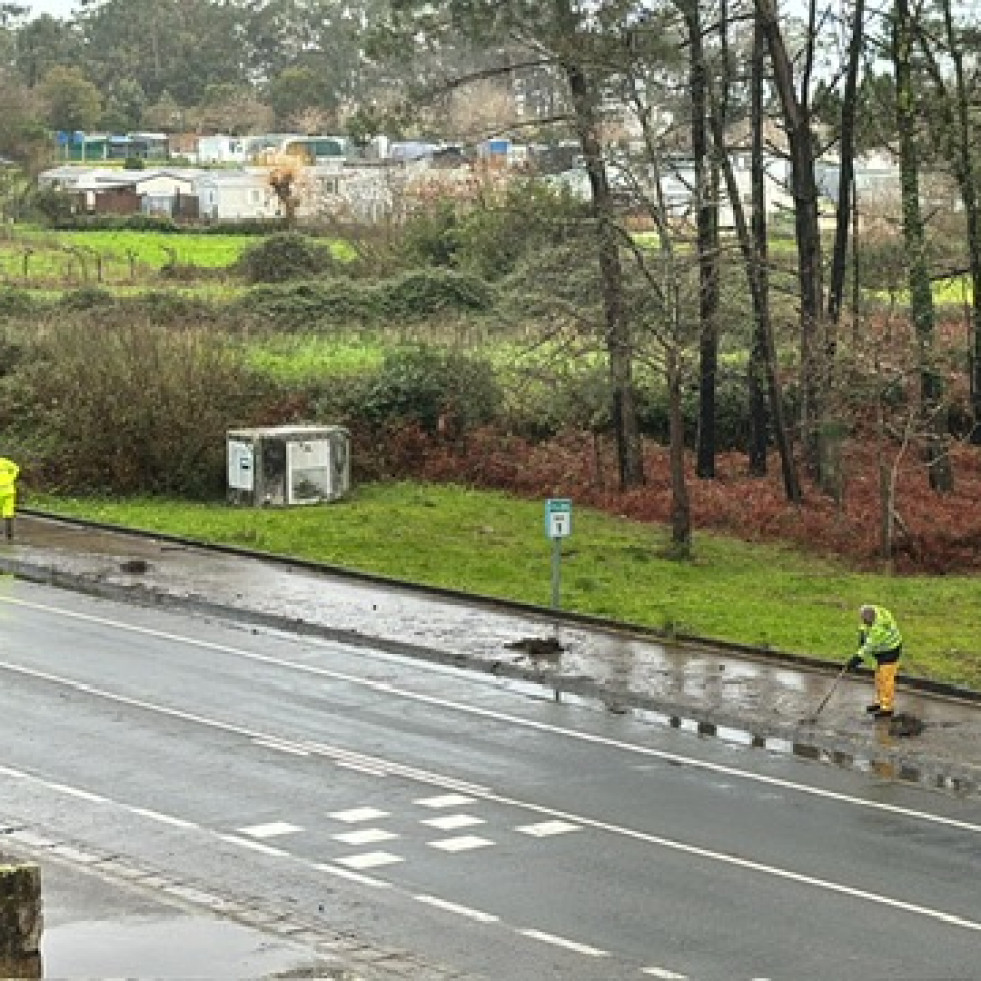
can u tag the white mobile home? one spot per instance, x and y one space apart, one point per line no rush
236 195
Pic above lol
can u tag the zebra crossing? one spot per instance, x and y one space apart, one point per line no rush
446 823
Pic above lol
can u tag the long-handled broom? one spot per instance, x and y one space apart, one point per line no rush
811 719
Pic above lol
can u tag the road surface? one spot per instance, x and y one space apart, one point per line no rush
472 821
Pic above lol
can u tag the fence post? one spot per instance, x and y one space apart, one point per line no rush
21 919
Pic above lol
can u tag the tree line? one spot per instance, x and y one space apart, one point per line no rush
636 85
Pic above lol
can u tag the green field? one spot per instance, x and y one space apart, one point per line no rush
69 259
495 545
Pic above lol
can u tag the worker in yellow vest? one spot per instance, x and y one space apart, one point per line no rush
8 494
879 638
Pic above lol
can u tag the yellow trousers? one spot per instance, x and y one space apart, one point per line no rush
7 504
885 684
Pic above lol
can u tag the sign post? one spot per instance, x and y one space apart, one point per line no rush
558 525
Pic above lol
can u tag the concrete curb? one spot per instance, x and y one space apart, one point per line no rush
806 742
566 617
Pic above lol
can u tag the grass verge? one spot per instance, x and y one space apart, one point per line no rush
492 544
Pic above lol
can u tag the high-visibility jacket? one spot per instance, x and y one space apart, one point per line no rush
882 639
8 476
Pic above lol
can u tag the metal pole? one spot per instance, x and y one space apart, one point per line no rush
556 571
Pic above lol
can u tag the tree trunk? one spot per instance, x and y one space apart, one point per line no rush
706 210
754 252
814 378
843 216
680 503
921 295
962 154
619 343
757 250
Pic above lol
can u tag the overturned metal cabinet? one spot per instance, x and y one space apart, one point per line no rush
288 465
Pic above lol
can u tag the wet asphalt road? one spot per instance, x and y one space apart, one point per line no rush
468 819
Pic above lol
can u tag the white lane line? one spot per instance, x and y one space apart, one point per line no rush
364 880
550 938
371 771
63 788
162 818
336 870
254 846
551 813
331 752
665 974
472 710
471 914
293 750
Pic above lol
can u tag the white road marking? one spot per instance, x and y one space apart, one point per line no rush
550 938
162 818
75 792
444 904
337 870
366 836
356 814
466 709
545 829
271 830
446 800
426 777
370 860
453 822
372 771
364 880
254 846
663 972
463 843
281 747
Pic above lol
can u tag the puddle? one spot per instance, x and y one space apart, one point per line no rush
173 948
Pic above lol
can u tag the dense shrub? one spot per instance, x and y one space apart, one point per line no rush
18 303
305 306
429 292
129 407
105 222
413 296
487 238
429 237
441 391
284 257
167 308
87 298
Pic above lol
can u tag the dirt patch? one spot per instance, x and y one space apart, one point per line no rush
905 725
539 648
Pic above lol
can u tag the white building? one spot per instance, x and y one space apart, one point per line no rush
236 195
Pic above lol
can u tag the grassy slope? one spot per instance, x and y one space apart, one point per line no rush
492 544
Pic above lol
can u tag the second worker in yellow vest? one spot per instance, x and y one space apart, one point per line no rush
8 494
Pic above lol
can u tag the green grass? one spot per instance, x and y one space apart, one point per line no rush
492 544
125 254
303 358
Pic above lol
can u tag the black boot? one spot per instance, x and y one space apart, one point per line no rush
872 708
8 527
884 714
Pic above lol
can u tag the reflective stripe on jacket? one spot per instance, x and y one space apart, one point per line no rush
882 638
8 476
